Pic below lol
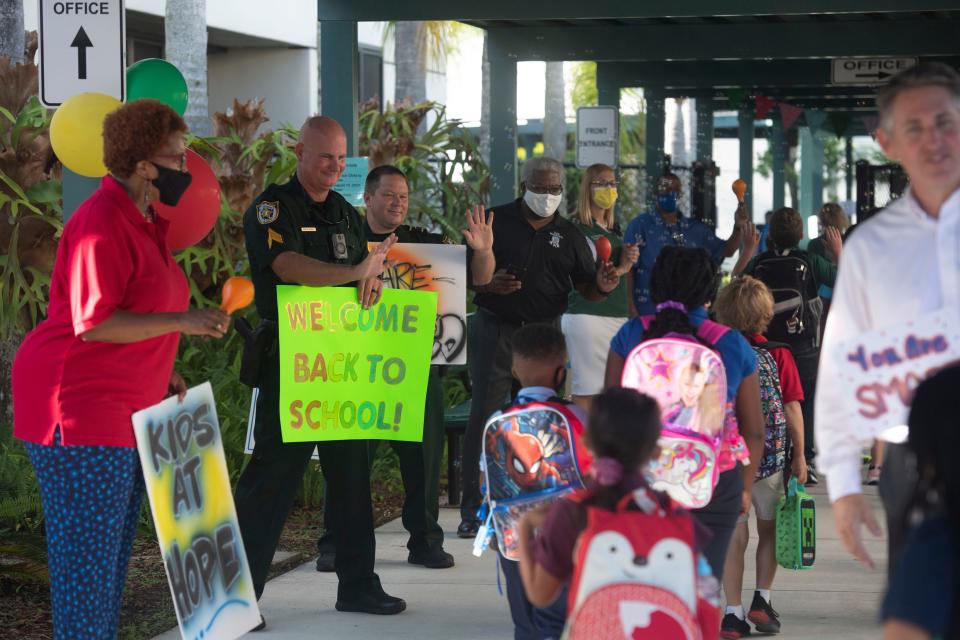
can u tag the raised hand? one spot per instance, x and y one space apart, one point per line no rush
376 261
741 216
749 239
833 240
479 231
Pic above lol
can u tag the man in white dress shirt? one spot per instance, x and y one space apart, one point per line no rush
902 263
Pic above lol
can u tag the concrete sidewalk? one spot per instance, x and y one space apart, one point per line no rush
837 599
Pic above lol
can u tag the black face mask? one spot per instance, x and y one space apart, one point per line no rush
171 184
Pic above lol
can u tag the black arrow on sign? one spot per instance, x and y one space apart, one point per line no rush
81 41
880 75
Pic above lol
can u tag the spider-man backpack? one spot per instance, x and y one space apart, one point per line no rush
688 380
637 575
532 453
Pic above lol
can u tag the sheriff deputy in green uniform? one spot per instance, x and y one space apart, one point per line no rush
386 195
305 233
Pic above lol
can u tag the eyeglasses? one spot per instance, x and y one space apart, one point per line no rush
182 157
554 190
604 183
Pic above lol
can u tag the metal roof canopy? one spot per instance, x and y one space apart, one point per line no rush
696 48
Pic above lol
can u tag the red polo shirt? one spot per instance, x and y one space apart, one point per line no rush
109 258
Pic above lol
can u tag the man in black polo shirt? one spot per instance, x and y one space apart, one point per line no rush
386 195
540 257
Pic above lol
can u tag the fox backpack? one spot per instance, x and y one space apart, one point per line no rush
637 575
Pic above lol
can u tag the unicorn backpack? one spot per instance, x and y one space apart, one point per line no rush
688 381
532 454
637 575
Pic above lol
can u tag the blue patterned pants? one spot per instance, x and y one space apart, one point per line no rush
91 503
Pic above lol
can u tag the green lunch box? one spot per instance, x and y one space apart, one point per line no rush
796 528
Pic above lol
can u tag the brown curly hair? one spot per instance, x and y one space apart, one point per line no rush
135 131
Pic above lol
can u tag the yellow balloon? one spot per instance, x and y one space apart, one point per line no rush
76 132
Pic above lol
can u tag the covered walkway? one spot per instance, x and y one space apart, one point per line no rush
837 599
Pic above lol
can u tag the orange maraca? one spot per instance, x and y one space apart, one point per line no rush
740 188
237 294
603 249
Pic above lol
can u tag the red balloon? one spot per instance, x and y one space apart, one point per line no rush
196 213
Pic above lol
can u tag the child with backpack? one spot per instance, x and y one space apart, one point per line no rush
629 554
923 598
532 455
794 277
683 281
747 306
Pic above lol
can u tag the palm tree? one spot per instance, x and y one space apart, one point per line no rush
185 46
554 113
410 57
11 30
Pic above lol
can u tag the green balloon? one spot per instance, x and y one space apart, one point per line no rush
160 80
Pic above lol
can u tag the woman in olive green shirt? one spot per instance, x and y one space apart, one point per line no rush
589 326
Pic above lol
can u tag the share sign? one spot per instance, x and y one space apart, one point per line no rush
81 49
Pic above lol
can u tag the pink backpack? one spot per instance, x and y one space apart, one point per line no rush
637 575
688 381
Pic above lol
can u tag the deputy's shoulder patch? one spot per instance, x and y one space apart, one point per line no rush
268 212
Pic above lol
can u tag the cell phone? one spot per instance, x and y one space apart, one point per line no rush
515 270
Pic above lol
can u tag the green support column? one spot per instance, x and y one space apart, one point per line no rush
849 171
339 88
503 124
656 121
745 129
705 127
608 91
778 152
811 177
76 189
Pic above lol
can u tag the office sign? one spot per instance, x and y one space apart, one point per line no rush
598 136
868 70
81 49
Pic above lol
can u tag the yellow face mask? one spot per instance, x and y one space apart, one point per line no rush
605 197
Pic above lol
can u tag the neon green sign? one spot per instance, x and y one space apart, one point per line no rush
349 373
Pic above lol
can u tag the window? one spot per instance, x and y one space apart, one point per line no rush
138 50
371 75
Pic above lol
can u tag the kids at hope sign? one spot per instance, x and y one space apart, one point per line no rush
189 488
349 373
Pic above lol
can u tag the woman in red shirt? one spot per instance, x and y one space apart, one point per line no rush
118 302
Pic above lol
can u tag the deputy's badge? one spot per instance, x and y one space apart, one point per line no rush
267 212
339 246
273 236
445 239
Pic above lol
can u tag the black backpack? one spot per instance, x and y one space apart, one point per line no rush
797 306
